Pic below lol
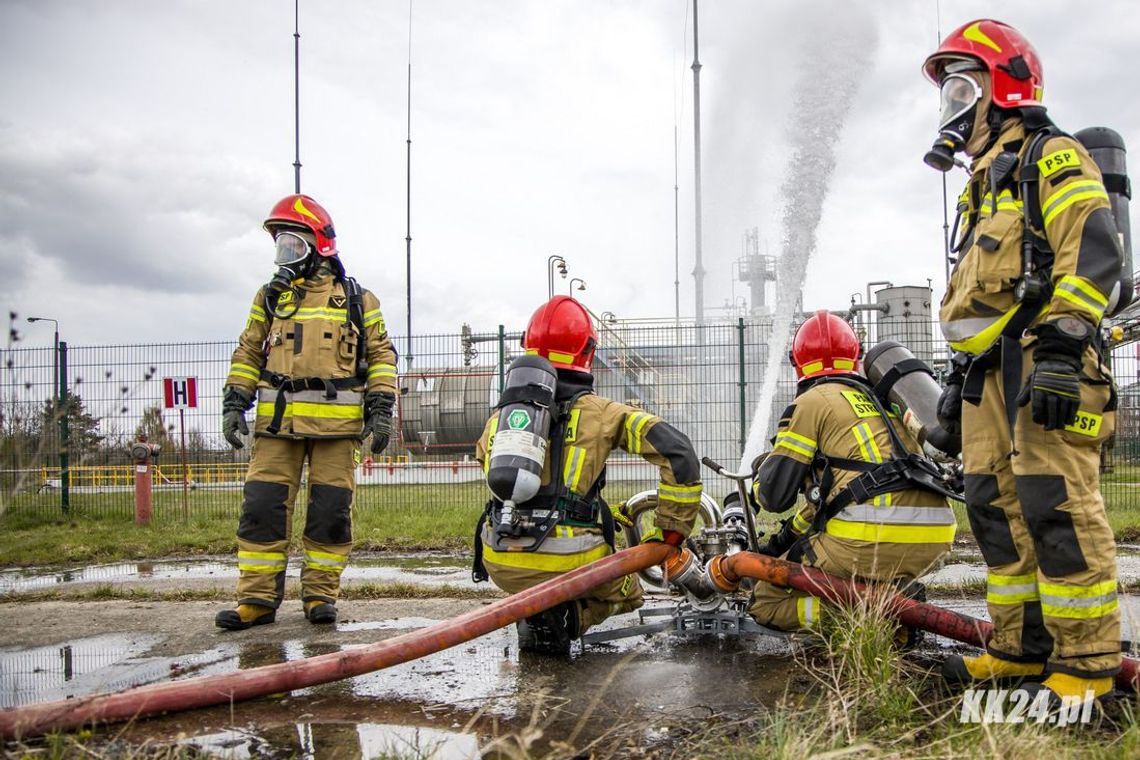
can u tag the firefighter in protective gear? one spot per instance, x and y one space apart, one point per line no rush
833 434
316 353
1036 403
586 428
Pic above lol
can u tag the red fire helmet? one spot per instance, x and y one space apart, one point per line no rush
825 345
304 212
561 331
1015 70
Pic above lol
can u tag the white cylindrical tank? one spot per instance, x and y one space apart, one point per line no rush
908 320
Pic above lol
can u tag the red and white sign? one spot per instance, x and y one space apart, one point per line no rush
180 392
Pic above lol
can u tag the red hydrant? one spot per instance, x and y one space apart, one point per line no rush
144 454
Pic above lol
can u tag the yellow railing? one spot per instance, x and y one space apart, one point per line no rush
124 474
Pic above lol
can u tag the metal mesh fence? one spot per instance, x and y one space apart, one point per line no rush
704 379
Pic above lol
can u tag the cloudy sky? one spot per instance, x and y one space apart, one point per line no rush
142 143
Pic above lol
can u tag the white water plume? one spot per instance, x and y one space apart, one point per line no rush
828 80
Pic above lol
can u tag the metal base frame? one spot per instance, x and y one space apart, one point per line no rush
681 619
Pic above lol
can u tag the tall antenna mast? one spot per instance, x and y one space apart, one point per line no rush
297 96
945 198
698 269
408 195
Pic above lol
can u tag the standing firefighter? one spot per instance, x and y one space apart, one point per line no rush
870 512
545 453
316 351
1022 311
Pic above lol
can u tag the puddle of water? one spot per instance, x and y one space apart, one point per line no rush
394 624
430 570
95 664
316 740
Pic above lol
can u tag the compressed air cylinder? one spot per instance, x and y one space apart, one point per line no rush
915 392
1107 149
518 451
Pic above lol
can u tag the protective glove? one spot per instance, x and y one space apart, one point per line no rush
779 542
235 403
671 537
1054 385
378 419
949 409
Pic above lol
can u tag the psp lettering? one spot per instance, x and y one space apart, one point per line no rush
180 392
1018 706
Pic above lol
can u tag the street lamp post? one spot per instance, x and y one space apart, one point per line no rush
552 261
581 284
59 400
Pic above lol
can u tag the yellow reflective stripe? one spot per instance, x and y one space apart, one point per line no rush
1070 194
800 523
556 563
494 427
262 562
1006 202
984 339
1079 291
257 314
811 368
374 317
310 409
843 364
807 611
319 312
326 561
893 534
680 494
1011 589
381 370
871 453
800 444
634 424
561 358
1078 602
572 468
245 370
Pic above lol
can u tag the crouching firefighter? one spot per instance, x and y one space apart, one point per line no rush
876 507
1040 263
544 453
317 354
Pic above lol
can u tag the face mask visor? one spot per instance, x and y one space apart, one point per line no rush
291 249
959 93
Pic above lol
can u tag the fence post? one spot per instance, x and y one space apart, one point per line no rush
64 433
502 358
743 383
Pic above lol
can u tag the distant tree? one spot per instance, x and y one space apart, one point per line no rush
156 430
83 434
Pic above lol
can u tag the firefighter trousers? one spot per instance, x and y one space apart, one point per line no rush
1037 513
266 525
788 609
565 550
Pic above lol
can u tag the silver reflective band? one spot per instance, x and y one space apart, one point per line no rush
899 515
291 248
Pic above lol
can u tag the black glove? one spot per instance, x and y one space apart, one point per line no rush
378 419
949 407
1054 385
235 402
779 542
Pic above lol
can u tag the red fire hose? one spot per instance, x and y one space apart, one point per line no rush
32 720
726 572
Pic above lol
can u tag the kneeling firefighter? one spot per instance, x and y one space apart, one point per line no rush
544 453
876 507
1040 263
317 353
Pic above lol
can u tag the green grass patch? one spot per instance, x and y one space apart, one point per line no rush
110 592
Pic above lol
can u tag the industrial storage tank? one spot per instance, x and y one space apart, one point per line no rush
442 411
907 319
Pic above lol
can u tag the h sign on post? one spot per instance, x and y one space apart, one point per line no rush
180 392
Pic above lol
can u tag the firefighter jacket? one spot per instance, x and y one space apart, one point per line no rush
1078 225
296 354
831 420
595 427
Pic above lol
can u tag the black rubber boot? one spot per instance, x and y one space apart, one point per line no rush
321 613
550 632
245 616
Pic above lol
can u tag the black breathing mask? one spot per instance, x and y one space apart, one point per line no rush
294 258
961 95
